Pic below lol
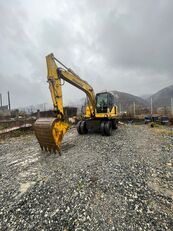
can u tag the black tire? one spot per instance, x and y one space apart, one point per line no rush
108 128
83 127
79 127
102 128
114 124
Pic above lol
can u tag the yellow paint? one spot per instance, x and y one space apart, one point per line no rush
109 114
54 83
58 131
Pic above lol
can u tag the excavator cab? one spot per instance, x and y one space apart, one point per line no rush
104 102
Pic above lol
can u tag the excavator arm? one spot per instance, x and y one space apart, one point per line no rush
74 79
50 131
55 74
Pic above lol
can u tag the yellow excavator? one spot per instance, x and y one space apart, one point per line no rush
100 113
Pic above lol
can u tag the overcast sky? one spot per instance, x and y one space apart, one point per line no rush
124 45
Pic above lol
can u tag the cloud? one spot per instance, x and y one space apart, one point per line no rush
23 91
140 37
115 45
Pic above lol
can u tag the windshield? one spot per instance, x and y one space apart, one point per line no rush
102 100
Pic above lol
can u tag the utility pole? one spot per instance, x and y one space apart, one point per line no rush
134 109
151 106
0 99
44 107
9 104
172 106
120 108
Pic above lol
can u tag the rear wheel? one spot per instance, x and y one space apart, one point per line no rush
108 128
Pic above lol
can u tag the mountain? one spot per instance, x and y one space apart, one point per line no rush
125 100
163 97
146 97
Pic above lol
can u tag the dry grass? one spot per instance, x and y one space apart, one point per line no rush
1 127
162 130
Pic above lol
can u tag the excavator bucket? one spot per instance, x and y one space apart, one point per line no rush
50 132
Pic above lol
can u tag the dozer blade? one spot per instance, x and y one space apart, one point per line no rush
49 133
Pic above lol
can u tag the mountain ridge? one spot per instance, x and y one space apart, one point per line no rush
126 100
162 98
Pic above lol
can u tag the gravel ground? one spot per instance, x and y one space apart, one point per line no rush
122 182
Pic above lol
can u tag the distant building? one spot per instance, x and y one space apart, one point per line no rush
70 111
4 111
15 113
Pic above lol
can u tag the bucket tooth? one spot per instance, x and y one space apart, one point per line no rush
49 148
41 147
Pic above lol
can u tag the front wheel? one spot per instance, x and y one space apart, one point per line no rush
81 127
